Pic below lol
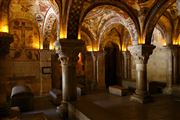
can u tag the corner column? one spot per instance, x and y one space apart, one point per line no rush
141 55
5 41
95 56
68 51
172 68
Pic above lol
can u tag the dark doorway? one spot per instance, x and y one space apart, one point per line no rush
111 51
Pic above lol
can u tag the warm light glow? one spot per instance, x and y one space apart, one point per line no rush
90 48
51 46
36 45
4 29
164 43
141 41
177 41
79 35
124 48
4 25
63 32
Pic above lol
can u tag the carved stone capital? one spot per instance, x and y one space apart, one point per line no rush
97 54
173 49
68 50
141 53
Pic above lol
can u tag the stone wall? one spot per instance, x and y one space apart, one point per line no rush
35 73
158 65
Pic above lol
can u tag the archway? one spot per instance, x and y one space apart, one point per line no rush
111 64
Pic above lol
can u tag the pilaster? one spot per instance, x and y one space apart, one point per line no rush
141 55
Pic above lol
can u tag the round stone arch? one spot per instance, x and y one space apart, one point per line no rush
50 20
165 26
153 17
87 37
112 23
119 5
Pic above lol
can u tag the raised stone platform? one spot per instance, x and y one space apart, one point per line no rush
118 90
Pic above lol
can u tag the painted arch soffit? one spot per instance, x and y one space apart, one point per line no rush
119 35
101 17
33 10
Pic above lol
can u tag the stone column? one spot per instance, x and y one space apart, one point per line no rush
5 41
175 63
141 55
95 56
126 64
172 68
68 51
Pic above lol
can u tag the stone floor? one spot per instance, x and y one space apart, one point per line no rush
42 107
103 106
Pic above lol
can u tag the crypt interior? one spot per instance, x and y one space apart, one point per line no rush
101 51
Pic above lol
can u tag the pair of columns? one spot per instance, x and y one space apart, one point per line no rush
68 51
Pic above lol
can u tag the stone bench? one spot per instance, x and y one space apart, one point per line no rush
118 90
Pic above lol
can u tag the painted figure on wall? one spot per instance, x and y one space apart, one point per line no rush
26 40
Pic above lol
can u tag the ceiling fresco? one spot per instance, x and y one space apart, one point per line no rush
44 14
101 18
41 13
34 10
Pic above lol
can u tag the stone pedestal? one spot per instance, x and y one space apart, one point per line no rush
68 51
141 55
5 41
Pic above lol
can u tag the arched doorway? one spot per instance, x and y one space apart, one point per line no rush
111 64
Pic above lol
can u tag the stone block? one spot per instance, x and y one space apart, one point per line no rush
55 96
118 90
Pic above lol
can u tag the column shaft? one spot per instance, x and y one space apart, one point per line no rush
141 77
68 83
141 55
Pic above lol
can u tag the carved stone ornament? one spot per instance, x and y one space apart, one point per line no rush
141 53
68 50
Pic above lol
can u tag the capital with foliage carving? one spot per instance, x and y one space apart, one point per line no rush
68 50
141 53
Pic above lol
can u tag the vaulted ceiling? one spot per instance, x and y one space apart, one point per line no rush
100 19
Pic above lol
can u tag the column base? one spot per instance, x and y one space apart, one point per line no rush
141 98
167 91
63 110
94 86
